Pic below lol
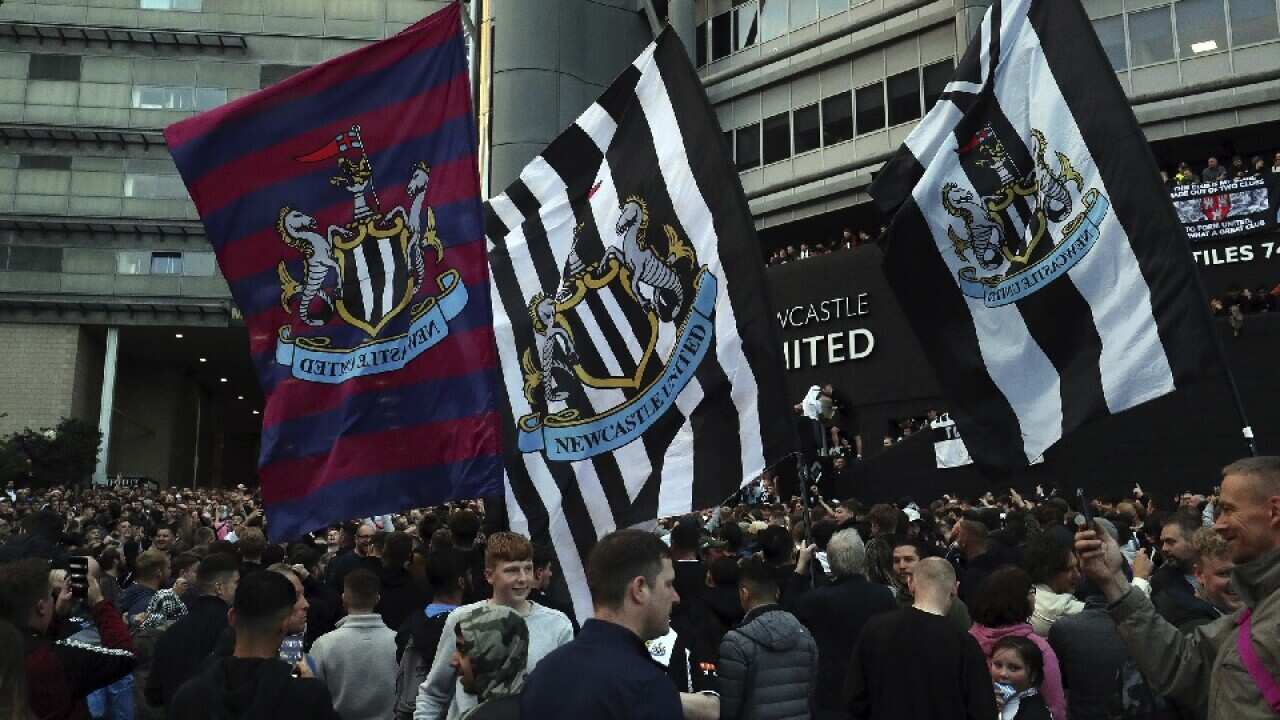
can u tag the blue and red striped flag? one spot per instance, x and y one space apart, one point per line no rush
344 207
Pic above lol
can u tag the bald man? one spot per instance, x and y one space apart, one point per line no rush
914 663
1205 668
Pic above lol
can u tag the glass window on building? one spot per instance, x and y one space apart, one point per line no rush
807 129
777 137
837 118
1253 21
935 78
30 258
827 8
728 143
153 186
904 97
747 146
198 264
209 98
1110 32
870 108
133 262
1150 36
803 12
745 27
699 46
166 263
1202 27
157 97
44 66
773 19
184 5
271 73
721 36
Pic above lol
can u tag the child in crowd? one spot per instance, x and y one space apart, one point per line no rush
1017 669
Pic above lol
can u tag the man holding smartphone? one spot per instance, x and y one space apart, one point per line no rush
60 673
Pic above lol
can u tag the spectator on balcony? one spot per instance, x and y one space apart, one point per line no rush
1184 176
1213 172
1258 165
1275 164
1238 169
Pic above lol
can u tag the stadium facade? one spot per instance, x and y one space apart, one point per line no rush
111 306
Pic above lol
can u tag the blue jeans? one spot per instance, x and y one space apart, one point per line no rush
113 702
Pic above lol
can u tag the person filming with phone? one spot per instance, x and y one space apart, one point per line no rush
61 672
1230 666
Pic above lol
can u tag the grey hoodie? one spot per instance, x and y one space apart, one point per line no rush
768 667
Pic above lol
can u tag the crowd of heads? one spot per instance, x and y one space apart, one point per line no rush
848 239
1005 551
1214 169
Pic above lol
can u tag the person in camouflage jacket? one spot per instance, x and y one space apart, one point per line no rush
491 659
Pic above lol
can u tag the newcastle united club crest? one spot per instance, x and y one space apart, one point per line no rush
1033 221
582 408
364 274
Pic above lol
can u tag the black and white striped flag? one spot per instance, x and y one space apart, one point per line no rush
1031 245
643 374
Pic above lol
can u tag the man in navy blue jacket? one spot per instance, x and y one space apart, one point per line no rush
606 672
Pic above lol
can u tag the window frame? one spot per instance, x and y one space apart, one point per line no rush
826 142
817 128
857 109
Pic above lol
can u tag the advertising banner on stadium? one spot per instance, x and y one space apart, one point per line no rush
1228 208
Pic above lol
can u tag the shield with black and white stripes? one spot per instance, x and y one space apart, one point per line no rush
1031 245
634 330
376 282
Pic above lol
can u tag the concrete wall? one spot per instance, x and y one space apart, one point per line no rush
38 369
145 436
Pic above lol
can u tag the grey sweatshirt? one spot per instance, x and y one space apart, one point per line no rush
357 662
441 697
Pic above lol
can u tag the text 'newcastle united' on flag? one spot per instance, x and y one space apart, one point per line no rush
343 204
641 367
1032 247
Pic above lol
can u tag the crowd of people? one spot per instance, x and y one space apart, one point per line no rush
139 603
847 240
1214 171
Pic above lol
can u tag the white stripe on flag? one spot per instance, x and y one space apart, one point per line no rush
1133 364
366 285
598 125
1016 364
558 221
388 277
506 211
695 216
574 573
633 458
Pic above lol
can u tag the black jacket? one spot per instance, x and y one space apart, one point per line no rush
503 708
835 614
181 650
1175 599
912 665
402 596
251 689
606 673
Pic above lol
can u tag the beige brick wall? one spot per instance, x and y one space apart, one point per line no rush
37 374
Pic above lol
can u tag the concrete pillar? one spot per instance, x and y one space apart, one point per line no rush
680 15
969 15
551 60
108 401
